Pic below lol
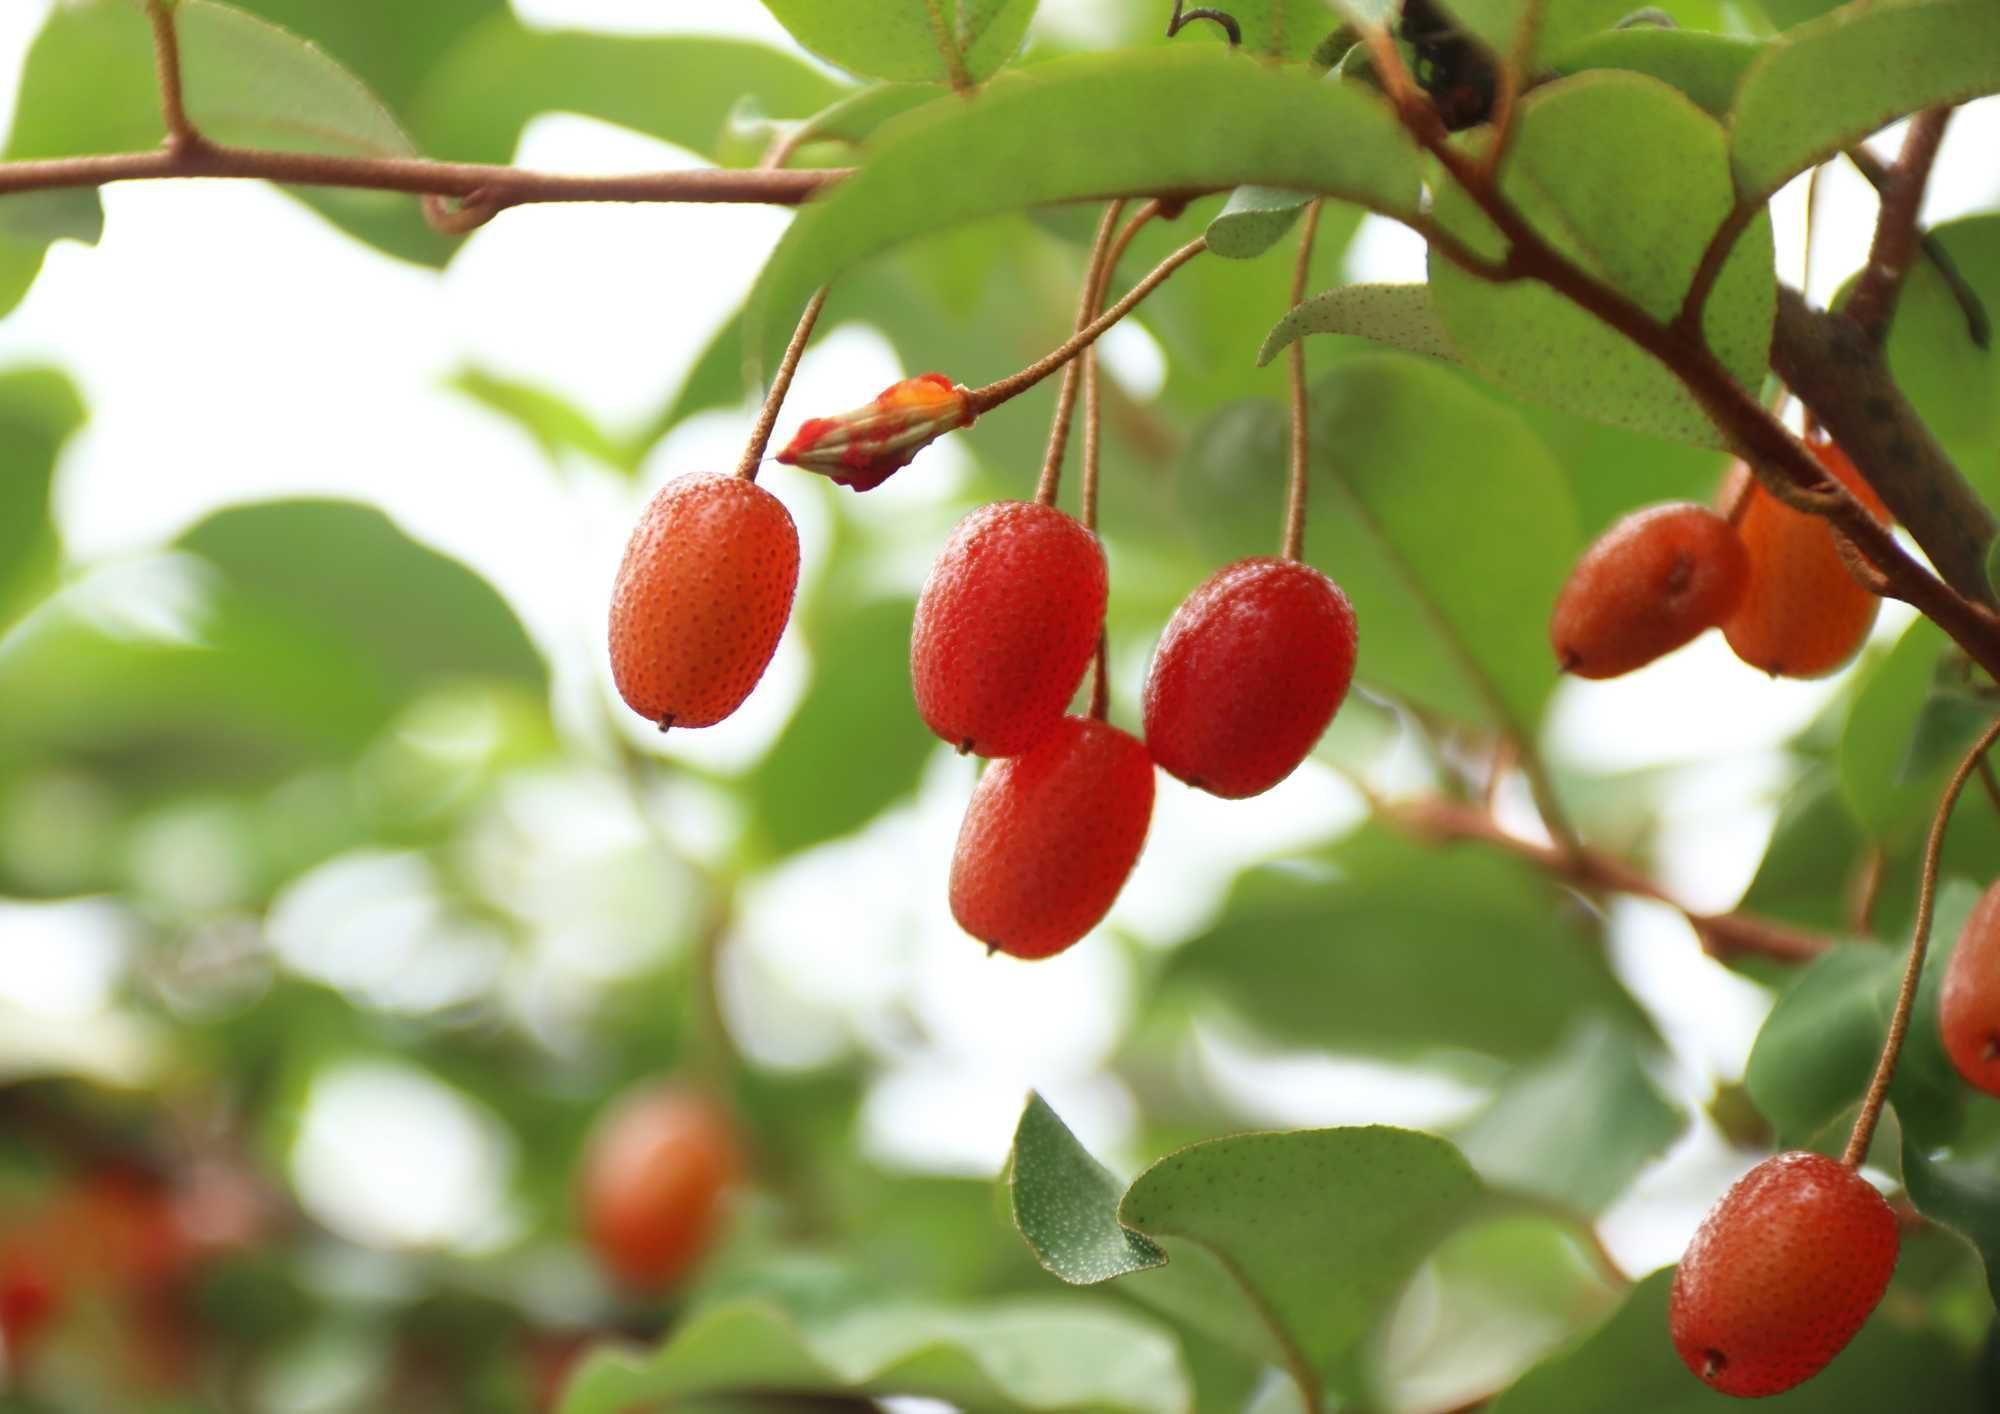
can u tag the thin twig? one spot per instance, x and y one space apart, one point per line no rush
1092 413
181 133
1873 303
1867 887
1086 310
781 384
1978 324
984 400
1294 542
1507 87
1863 1132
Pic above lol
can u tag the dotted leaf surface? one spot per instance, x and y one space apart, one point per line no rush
900 39
1066 1204
1402 316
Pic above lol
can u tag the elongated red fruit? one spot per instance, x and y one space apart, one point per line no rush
1648 585
1802 614
702 598
1969 1003
1006 625
1252 667
653 1181
1781 1274
1050 837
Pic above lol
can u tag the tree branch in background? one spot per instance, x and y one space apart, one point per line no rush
1872 306
1978 325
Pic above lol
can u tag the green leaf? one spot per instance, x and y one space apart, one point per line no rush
1904 733
1016 1355
1385 946
853 120
1557 22
557 426
896 39
1628 1363
1953 383
1577 1127
1804 873
1022 137
1400 316
855 743
1592 155
420 616
1367 1203
1231 477
1066 1204
1828 84
681 89
1255 219
1962 1191
390 44
39 412
1708 68
1472 523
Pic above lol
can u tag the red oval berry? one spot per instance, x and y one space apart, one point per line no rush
1969 1003
1802 614
1006 625
702 598
1252 667
653 1181
1781 1274
1648 585
1050 837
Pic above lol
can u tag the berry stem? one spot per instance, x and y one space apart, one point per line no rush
1295 496
1092 412
781 384
181 133
984 400
1863 1132
1086 310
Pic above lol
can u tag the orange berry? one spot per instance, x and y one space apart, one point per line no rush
1802 614
1006 625
701 599
653 1180
1050 837
1648 585
1781 1274
1969 1003
1251 668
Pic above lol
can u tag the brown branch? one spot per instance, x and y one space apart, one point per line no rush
181 133
1593 871
1863 1133
1872 306
1086 310
1713 257
1838 372
1978 325
505 186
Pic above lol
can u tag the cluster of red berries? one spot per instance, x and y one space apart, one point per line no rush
1251 669
1770 577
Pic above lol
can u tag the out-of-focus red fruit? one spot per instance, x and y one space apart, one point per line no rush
1050 837
1006 625
1781 1274
1802 614
31 1294
1648 585
702 598
1969 1003
1252 667
654 1179
122 1225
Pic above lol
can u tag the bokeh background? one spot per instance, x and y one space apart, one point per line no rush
336 883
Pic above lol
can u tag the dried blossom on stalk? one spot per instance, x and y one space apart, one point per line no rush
863 448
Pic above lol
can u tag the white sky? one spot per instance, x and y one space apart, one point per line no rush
232 346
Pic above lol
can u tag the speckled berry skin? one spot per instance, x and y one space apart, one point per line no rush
1650 584
1781 1274
1251 668
1969 1002
1006 625
701 599
1050 837
653 1182
1802 615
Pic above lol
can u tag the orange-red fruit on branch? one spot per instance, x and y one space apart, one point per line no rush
1252 667
1802 614
701 599
654 1179
1781 1274
1050 837
1006 625
1969 1004
1649 584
